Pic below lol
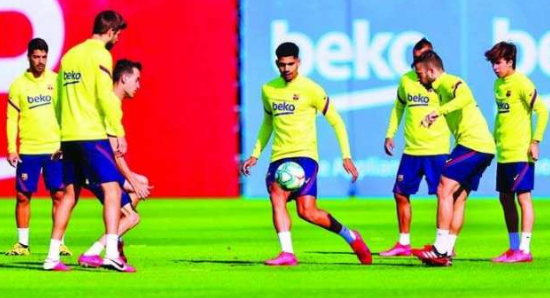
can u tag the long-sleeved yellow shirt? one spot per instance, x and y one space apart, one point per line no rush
463 116
88 107
517 99
414 101
31 114
290 110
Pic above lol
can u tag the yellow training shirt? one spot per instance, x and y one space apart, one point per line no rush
290 110
31 114
415 102
516 99
463 116
88 107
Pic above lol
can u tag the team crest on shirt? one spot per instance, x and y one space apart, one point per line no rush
295 96
508 93
24 176
50 87
400 178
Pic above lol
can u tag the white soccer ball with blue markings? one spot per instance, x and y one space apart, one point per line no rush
290 175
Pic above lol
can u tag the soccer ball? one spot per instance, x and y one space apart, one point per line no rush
290 175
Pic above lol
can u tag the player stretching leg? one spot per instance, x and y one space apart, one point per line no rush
426 150
89 111
127 76
31 118
291 103
517 147
472 155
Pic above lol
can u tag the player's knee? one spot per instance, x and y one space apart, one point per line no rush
134 218
23 199
308 214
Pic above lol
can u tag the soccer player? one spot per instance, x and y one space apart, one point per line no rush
31 119
517 147
127 76
426 150
291 103
89 111
474 151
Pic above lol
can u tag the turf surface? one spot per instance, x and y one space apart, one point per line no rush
215 248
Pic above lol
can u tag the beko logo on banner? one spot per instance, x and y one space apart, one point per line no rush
338 56
46 19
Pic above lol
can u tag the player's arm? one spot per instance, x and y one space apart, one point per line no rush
530 96
142 191
339 127
462 97
395 119
12 125
110 104
263 138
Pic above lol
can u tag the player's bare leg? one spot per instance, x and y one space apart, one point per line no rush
308 210
282 224
61 220
404 215
527 220
509 207
460 198
22 219
57 197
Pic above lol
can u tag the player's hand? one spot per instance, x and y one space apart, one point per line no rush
429 119
250 162
534 150
389 146
141 190
122 146
14 159
351 169
57 155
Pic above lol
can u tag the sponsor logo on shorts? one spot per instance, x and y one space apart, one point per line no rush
400 178
24 176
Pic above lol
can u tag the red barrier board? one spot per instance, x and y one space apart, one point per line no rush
182 125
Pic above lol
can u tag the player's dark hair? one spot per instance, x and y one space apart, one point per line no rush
287 49
422 44
430 58
108 19
37 44
502 50
123 66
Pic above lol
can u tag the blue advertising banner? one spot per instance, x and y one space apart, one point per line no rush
357 50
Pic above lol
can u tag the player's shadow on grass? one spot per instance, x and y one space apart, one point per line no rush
225 262
255 263
38 266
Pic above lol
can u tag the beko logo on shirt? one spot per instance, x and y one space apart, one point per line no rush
283 108
418 100
71 77
39 99
503 107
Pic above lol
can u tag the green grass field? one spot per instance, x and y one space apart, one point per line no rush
202 248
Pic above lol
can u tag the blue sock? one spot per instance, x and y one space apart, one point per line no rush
348 235
514 240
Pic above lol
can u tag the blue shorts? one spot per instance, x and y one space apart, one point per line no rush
100 195
515 177
89 162
310 167
413 168
28 173
466 166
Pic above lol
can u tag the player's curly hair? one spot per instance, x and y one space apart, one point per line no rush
287 49
502 50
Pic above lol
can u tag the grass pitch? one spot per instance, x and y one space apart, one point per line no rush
202 248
